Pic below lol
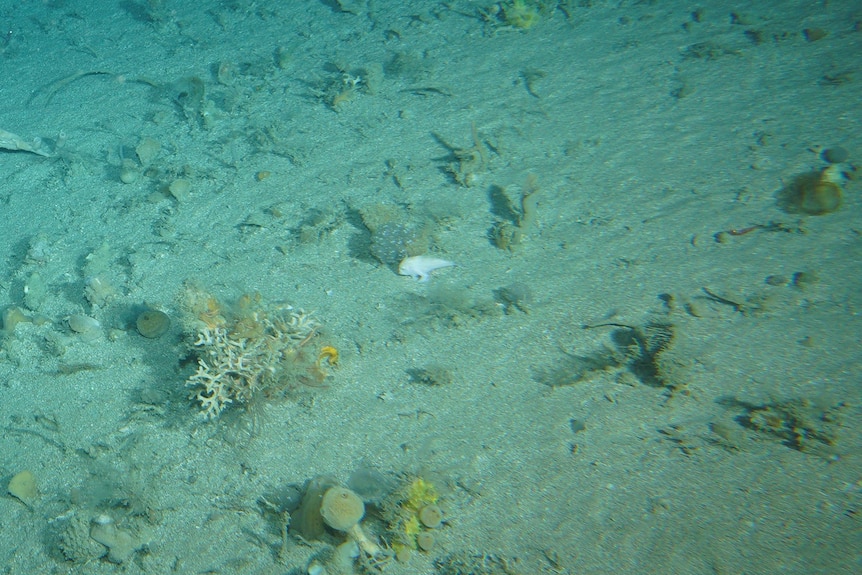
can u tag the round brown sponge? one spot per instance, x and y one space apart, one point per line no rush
341 508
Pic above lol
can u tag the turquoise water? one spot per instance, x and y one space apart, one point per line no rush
644 358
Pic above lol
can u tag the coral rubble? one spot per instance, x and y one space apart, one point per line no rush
258 352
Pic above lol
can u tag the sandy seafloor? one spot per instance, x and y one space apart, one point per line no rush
649 130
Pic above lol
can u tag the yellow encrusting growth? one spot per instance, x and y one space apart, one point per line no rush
412 527
419 494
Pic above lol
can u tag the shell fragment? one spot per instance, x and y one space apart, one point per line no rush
10 141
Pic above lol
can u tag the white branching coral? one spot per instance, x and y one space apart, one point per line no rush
259 352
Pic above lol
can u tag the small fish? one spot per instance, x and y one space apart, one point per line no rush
420 267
